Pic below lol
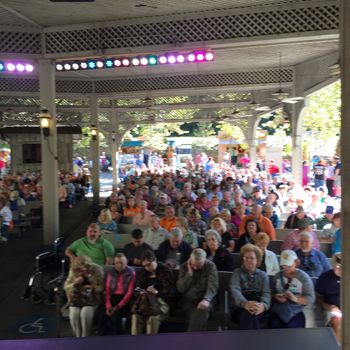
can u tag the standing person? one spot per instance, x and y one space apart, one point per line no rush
233 156
329 174
6 215
292 291
84 289
306 169
250 289
119 288
273 169
198 282
337 175
319 174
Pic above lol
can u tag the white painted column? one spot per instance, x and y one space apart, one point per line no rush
49 167
296 112
95 152
345 157
252 140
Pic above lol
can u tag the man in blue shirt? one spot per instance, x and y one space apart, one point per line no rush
328 295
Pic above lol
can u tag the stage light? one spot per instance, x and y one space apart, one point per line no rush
144 61
59 67
109 63
67 66
200 56
152 60
171 59
209 56
99 64
2 67
135 62
29 68
83 65
117 63
10 67
191 57
162 59
75 66
20 67
180 58
91 65
125 62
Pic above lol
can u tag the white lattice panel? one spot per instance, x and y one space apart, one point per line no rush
25 85
260 23
194 81
73 86
20 42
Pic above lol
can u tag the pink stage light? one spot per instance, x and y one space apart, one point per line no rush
99 64
162 59
125 62
20 67
191 57
11 67
171 59
200 57
117 63
180 58
209 56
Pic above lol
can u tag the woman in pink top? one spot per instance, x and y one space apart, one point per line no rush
119 288
237 218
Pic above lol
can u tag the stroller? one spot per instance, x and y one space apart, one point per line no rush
49 276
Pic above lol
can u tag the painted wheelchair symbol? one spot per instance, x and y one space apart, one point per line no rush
34 327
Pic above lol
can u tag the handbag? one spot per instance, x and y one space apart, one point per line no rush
146 304
286 311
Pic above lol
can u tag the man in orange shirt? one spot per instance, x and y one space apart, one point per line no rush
264 223
169 220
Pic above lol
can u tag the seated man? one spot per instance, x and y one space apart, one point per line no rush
174 251
92 245
154 235
328 295
198 282
136 248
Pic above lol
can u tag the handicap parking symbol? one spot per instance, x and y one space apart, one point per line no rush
35 325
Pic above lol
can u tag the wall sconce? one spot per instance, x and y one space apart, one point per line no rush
94 132
45 121
113 136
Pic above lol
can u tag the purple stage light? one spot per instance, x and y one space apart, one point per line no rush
180 58
200 57
20 67
191 57
29 68
162 59
117 63
10 67
144 61
171 59
209 56
135 62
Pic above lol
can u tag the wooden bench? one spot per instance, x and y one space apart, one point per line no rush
282 233
128 228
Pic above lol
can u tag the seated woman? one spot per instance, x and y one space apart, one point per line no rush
219 225
154 282
268 212
119 287
195 223
239 213
250 289
189 236
312 261
106 224
115 213
269 261
130 209
84 290
292 291
225 214
250 230
216 253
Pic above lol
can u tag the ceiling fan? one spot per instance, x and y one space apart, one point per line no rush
282 96
258 107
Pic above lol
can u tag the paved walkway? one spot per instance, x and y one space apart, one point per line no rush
17 261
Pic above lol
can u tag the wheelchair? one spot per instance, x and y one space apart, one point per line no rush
51 268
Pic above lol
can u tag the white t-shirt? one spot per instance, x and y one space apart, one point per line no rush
6 215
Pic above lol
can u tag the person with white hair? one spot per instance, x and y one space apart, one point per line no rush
312 261
198 282
174 251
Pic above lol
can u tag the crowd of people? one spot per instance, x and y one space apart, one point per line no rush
188 225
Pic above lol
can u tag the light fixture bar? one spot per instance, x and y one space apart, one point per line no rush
16 67
136 61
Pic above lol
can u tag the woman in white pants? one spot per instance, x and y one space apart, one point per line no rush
84 289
